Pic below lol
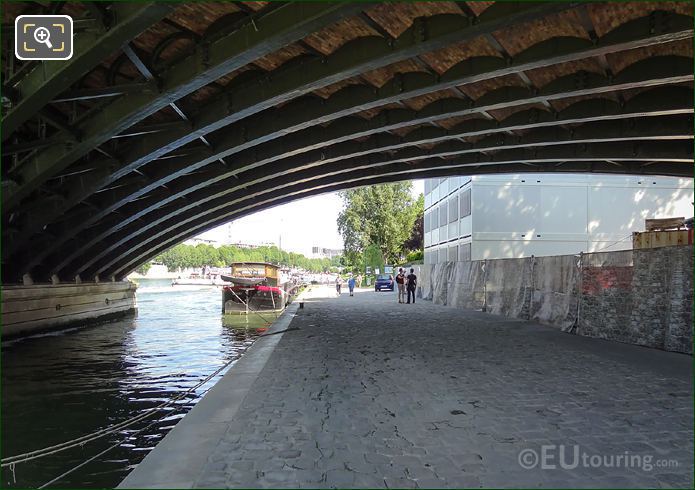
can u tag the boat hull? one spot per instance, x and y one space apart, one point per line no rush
243 281
244 300
198 282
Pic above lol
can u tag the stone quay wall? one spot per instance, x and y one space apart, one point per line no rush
642 297
28 310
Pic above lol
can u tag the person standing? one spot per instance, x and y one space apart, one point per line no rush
411 284
400 283
351 285
338 284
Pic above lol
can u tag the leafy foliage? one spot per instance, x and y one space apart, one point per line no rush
373 258
381 216
186 256
143 268
416 256
416 242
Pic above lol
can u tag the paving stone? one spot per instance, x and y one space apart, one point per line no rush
359 465
377 458
372 394
290 453
368 481
420 472
213 481
400 483
279 476
240 466
340 478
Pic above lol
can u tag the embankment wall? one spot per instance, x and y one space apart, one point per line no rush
28 310
642 297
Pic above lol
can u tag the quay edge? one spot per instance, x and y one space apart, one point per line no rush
32 309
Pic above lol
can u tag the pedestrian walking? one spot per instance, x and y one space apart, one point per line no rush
351 285
400 283
411 284
338 283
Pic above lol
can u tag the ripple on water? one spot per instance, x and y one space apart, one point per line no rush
63 385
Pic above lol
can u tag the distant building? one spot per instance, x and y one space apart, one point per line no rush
325 253
198 241
504 216
252 245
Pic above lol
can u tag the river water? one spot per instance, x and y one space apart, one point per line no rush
64 385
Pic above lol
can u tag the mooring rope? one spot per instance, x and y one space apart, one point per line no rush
81 441
130 436
12 461
113 446
248 307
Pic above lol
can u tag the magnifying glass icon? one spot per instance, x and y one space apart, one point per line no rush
43 36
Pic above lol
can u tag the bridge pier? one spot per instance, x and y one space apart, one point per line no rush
34 308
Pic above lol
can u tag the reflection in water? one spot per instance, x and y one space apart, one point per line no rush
64 385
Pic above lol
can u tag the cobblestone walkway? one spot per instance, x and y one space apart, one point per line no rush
370 393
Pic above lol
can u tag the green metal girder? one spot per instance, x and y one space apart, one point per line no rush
645 73
279 28
208 200
438 31
132 257
49 78
233 139
159 162
108 91
621 38
24 147
371 53
593 110
678 151
356 57
282 85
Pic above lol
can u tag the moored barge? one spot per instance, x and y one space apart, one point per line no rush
256 286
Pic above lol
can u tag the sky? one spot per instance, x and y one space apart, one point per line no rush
300 224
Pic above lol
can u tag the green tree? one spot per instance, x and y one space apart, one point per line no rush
416 241
416 256
373 258
187 256
143 268
379 215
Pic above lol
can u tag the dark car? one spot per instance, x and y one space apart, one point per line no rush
383 281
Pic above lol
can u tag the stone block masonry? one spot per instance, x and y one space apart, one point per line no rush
642 297
646 302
